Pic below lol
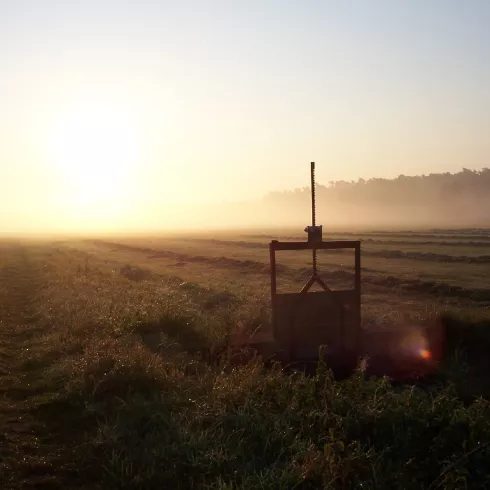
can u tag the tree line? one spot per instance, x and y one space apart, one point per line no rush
462 197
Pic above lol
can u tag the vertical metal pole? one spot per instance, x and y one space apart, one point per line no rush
313 210
357 285
313 213
272 253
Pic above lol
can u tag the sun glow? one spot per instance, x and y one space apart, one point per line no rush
94 150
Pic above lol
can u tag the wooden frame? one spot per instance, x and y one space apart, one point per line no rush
275 246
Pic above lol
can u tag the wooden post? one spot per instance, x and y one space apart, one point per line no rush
357 278
272 253
357 284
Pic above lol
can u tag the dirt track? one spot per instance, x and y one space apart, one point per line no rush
28 459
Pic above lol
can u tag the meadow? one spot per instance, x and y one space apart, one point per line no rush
112 371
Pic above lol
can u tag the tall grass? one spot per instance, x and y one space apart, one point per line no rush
137 359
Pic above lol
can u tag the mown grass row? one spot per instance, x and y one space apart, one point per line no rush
340 273
386 254
147 405
483 234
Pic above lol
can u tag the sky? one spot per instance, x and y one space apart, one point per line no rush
112 112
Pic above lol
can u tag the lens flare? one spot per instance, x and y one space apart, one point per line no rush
425 354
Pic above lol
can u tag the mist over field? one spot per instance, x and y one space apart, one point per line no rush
437 200
444 200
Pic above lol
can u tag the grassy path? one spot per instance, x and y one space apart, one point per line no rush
30 455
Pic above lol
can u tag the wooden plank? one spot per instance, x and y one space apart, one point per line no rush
273 273
305 321
330 245
357 269
342 295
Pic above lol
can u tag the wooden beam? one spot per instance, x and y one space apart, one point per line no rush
330 245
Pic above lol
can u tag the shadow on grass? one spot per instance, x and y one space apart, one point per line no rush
472 337
466 361
462 345
61 427
168 330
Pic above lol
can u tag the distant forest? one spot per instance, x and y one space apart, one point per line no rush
459 199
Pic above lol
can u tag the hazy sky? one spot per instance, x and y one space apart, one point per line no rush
109 108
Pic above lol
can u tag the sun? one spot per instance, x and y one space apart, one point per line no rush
94 150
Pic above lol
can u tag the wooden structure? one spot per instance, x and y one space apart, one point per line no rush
304 321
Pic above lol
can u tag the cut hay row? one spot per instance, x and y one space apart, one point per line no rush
385 254
391 234
389 239
434 288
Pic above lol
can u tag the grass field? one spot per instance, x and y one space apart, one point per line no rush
110 374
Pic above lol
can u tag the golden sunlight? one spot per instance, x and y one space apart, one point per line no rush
94 150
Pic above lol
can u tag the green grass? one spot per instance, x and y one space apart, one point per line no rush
114 383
